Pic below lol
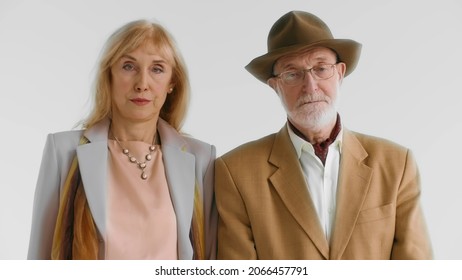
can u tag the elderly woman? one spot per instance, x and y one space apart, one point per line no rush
129 185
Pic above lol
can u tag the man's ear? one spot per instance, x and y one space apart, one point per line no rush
341 69
273 83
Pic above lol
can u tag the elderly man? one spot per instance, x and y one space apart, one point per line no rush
316 190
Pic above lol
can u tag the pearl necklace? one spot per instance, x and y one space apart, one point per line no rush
132 159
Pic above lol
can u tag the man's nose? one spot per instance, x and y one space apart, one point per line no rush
310 83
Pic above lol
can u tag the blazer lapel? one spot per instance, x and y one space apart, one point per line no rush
180 172
179 169
289 182
354 182
92 159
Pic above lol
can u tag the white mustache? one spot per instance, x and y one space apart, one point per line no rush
315 97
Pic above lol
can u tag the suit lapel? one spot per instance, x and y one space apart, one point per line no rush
92 159
289 182
179 169
180 172
354 182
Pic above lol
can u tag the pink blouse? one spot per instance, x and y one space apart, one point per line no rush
141 221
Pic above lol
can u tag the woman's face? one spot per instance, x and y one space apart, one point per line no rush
140 83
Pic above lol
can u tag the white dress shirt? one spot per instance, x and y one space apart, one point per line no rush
321 180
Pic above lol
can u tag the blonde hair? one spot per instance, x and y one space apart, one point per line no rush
124 40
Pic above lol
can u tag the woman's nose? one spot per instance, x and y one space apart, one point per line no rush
142 82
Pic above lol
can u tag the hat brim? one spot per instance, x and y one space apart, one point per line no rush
347 50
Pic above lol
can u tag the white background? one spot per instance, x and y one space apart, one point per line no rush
406 87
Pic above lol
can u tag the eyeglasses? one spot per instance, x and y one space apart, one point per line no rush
296 77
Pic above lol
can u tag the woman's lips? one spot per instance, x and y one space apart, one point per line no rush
140 101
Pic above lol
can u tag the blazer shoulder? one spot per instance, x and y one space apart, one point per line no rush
185 142
196 145
370 141
65 140
203 152
380 149
199 148
67 136
61 147
253 149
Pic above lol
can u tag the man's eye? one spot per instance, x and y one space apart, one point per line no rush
292 75
322 69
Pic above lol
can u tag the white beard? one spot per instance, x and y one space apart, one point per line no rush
313 116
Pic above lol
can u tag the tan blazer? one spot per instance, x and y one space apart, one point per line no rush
266 212
186 162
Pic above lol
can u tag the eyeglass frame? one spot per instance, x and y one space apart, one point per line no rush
305 71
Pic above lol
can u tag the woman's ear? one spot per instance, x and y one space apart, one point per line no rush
171 88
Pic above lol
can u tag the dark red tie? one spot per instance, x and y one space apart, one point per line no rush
321 149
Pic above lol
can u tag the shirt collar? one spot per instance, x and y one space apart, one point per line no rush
300 144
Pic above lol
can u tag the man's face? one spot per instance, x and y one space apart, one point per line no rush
310 103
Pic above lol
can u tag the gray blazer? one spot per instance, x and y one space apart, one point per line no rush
186 160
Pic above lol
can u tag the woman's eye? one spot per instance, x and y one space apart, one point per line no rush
158 70
128 66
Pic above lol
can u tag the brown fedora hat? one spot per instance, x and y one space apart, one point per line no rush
297 30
